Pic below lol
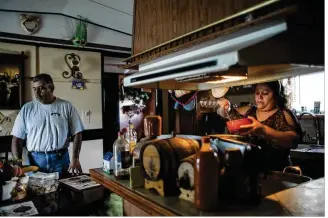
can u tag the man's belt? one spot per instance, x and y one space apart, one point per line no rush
60 151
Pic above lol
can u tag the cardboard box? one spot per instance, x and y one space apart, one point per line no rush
108 162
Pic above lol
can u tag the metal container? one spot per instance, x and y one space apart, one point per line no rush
276 181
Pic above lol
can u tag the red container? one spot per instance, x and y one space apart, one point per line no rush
234 125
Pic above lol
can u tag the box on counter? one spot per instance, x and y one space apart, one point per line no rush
42 183
136 178
108 162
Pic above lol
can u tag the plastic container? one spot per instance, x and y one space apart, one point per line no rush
41 183
234 125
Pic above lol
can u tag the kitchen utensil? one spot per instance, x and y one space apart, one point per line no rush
219 92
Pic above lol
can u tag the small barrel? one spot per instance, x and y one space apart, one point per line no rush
161 158
186 173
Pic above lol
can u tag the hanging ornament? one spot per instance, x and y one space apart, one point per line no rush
80 38
78 82
29 23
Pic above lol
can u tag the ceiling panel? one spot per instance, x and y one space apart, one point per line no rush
125 6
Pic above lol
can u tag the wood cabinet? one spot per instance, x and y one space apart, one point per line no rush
130 209
142 202
158 21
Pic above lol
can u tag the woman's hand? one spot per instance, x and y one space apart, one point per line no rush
254 129
223 106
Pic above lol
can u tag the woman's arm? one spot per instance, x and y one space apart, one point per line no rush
224 106
283 139
286 139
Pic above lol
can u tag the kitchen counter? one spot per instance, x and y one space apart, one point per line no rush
306 199
310 158
308 151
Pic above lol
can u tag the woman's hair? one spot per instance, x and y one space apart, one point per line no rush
279 93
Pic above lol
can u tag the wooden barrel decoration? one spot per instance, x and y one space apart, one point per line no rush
161 158
186 173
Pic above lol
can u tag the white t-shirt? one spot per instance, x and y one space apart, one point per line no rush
47 126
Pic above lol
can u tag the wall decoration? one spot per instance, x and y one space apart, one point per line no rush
186 99
137 96
7 123
81 33
11 84
73 62
29 23
134 105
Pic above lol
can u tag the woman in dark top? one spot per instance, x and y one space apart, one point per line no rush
275 128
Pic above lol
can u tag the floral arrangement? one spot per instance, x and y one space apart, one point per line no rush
136 95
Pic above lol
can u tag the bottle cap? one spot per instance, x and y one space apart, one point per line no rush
206 139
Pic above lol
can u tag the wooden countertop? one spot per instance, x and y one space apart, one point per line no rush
306 199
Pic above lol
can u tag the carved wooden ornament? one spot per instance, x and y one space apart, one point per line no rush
29 23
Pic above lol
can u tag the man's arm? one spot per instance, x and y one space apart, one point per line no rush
77 143
76 128
17 147
75 165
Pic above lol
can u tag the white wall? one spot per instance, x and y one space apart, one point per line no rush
111 66
52 62
59 27
238 98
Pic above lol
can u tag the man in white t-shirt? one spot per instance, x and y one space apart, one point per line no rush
47 124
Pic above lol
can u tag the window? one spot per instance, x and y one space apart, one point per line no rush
304 90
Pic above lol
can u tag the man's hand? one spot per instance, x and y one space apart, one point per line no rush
75 166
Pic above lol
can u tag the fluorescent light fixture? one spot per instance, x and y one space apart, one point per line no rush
226 78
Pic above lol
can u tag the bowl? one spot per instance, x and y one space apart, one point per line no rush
234 125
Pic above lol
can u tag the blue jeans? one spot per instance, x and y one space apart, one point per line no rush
50 162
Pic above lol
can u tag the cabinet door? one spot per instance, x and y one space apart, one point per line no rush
158 21
132 210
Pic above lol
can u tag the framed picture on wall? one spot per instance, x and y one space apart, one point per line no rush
11 81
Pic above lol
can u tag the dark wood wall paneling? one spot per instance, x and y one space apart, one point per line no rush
158 21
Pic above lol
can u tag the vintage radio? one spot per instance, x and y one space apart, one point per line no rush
160 159
186 178
240 167
242 163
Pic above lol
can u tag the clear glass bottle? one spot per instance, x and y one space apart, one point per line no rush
132 137
122 157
